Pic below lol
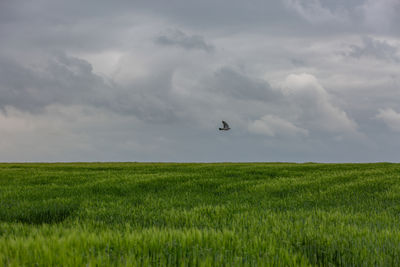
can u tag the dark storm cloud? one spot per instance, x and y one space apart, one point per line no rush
181 39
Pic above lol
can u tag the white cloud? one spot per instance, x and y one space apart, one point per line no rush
390 117
313 11
272 125
314 106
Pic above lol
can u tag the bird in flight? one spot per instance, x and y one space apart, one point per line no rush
225 128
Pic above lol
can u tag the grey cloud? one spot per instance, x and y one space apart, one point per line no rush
298 62
149 99
181 39
69 80
301 107
64 80
381 16
233 83
374 48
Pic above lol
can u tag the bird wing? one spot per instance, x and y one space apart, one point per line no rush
225 124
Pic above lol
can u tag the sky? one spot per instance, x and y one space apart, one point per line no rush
297 80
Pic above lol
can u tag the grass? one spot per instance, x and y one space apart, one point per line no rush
244 214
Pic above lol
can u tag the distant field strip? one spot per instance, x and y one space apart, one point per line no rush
222 214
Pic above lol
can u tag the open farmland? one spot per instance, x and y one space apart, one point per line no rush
223 214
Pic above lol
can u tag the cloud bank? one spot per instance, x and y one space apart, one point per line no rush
296 80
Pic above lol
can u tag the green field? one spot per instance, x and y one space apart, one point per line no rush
224 214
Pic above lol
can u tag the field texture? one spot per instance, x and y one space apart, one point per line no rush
259 214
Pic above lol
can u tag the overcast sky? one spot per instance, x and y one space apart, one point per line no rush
297 80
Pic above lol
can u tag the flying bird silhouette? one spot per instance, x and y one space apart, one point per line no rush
225 128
